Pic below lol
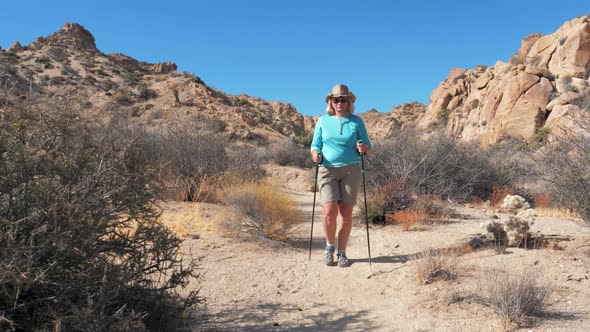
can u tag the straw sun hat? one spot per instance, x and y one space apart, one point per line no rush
340 90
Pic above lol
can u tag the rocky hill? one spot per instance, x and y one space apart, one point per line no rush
68 63
380 125
535 95
538 92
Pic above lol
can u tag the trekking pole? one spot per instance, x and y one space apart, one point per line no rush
315 188
366 207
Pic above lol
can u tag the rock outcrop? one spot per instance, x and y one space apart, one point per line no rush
15 47
543 80
381 125
72 35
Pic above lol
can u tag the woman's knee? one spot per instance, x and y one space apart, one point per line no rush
345 210
330 209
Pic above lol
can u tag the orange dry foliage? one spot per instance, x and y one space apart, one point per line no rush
407 218
541 200
498 194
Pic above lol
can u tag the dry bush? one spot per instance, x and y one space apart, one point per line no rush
541 200
437 166
514 296
425 209
408 218
245 164
565 166
384 201
189 159
435 209
289 153
260 210
81 246
498 194
433 265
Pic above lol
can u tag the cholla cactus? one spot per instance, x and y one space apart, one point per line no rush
514 203
516 229
497 230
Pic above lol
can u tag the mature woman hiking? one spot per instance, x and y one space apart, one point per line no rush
339 137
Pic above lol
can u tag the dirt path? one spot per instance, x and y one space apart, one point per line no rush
264 286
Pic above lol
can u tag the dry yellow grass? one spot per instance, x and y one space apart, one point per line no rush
261 210
188 219
556 213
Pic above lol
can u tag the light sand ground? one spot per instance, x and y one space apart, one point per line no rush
264 286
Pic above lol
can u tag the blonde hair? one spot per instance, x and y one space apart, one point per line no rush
349 107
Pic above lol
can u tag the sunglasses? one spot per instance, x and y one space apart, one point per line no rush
340 100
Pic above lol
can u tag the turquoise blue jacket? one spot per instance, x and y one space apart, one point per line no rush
336 139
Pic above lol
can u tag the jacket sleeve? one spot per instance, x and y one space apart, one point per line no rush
317 142
362 133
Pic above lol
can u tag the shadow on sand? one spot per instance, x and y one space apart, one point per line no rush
278 317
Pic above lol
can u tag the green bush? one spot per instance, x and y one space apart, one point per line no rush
81 247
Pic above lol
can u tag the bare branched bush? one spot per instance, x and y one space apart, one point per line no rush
288 153
259 210
190 160
245 164
438 166
433 265
81 247
515 296
566 165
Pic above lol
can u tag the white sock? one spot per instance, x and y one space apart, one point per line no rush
330 245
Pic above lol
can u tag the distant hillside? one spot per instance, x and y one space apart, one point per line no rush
68 63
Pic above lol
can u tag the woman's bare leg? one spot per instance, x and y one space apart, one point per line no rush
345 212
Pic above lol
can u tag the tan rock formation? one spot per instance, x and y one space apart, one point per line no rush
164 67
71 35
515 99
15 47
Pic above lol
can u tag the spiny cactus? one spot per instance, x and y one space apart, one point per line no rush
516 229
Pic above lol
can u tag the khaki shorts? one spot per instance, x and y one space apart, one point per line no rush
339 184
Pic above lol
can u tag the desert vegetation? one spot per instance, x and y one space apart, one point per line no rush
80 241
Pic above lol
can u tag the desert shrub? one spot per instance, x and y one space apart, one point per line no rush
408 218
565 166
81 247
145 93
56 80
288 153
426 210
435 166
123 97
261 211
245 164
515 296
541 200
435 210
433 265
217 125
191 160
499 193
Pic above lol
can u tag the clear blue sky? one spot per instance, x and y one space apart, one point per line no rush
388 52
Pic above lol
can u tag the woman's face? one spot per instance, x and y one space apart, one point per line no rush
340 104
